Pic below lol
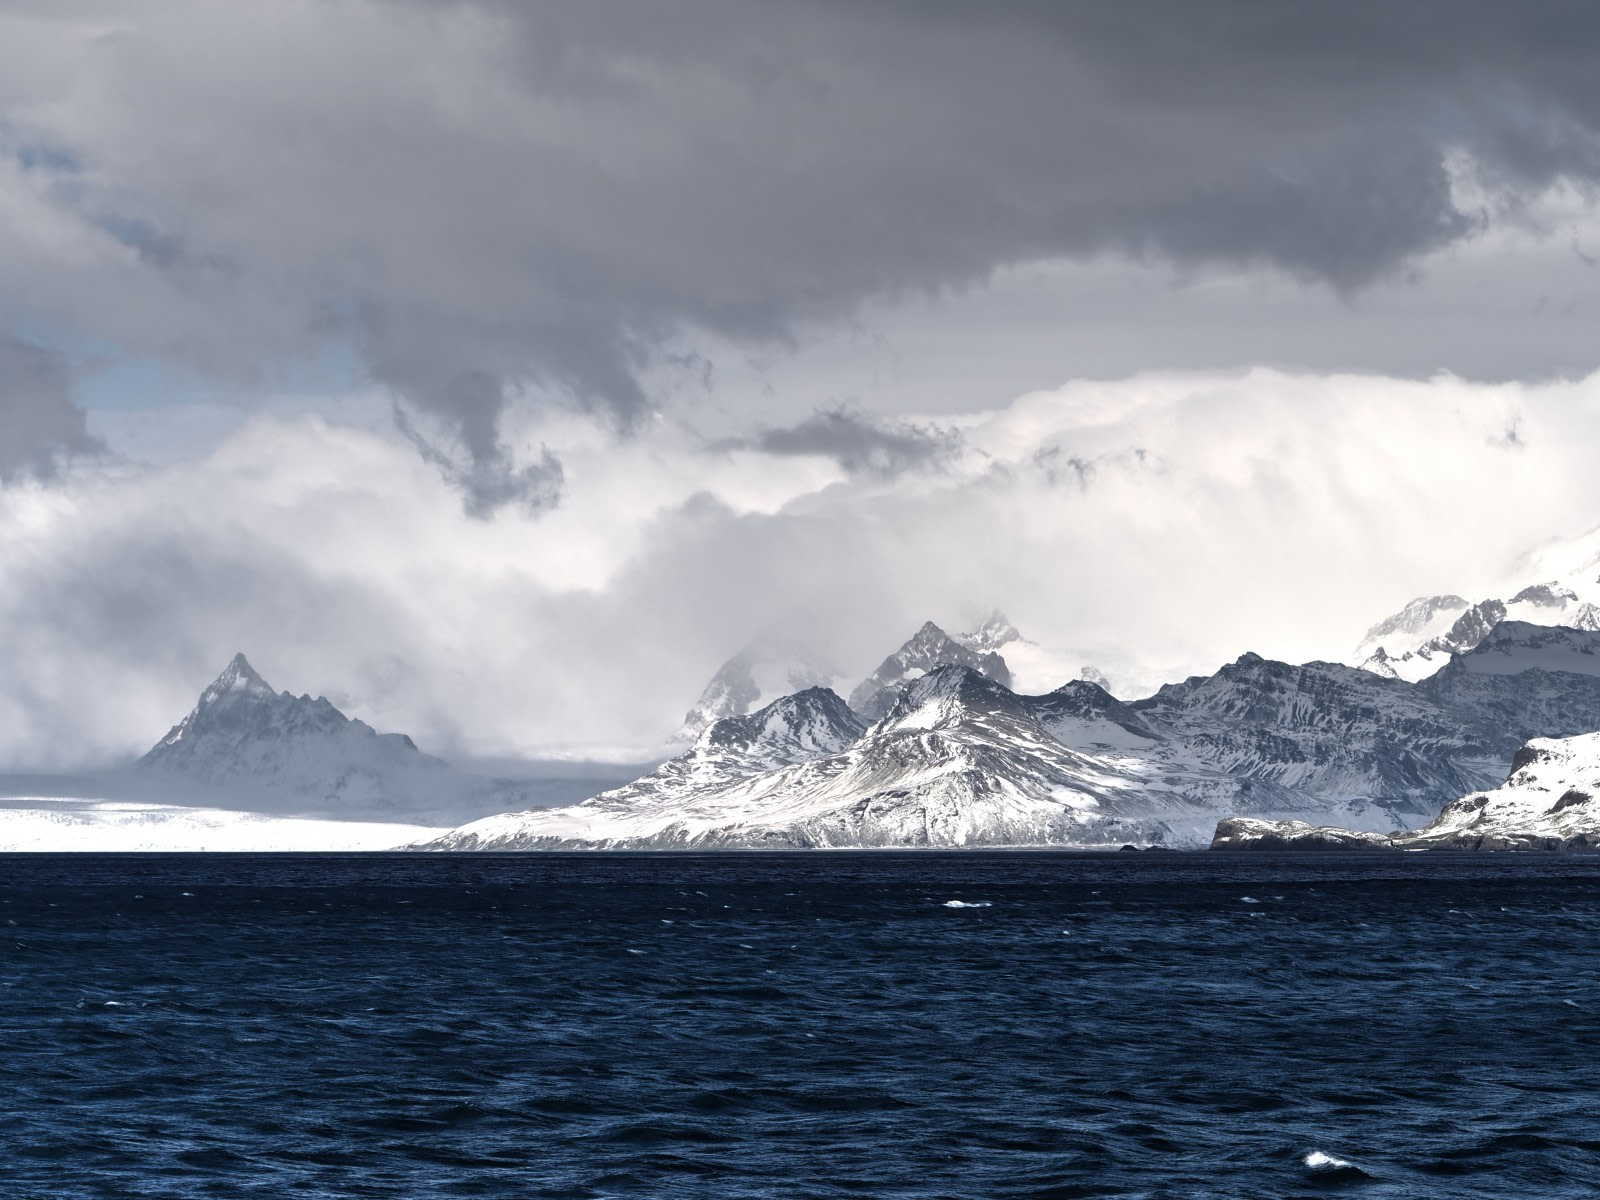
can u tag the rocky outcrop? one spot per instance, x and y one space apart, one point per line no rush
1246 833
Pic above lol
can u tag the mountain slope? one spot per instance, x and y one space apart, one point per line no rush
1525 681
794 729
1324 737
1549 801
958 761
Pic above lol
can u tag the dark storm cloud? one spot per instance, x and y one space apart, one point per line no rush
493 198
861 444
38 419
470 453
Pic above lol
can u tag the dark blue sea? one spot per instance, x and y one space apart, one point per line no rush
800 1025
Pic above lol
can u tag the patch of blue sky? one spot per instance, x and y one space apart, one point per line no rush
108 378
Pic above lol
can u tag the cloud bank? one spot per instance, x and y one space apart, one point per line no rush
487 201
1168 521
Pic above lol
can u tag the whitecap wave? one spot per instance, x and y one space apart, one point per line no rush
1326 1165
1318 1160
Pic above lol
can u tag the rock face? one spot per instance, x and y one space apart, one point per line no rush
1550 801
1247 833
1525 680
958 759
1324 738
249 746
929 648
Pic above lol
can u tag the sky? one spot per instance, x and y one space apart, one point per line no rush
498 369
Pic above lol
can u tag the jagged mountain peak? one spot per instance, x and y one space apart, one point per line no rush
995 632
1084 697
237 676
929 634
815 720
1587 618
239 703
301 754
929 648
1418 641
1416 616
1074 709
1545 595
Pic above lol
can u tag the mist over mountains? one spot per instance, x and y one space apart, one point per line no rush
943 743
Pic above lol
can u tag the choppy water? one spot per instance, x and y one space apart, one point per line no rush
800 1025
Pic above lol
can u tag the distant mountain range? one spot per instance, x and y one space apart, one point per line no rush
1419 639
776 665
943 744
959 759
245 745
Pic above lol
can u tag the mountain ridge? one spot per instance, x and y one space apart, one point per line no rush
957 758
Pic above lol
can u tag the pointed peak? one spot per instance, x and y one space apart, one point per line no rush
997 631
238 676
929 629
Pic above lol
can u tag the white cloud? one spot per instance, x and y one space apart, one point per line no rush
1172 520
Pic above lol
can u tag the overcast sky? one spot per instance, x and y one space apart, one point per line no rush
497 369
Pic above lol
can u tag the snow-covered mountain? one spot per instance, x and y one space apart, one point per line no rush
1422 637
769 667
995 634
1038 668
781 663
246 746
928 649
959 759
1322 737
1549 801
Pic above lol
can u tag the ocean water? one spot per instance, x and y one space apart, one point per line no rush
800 1025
